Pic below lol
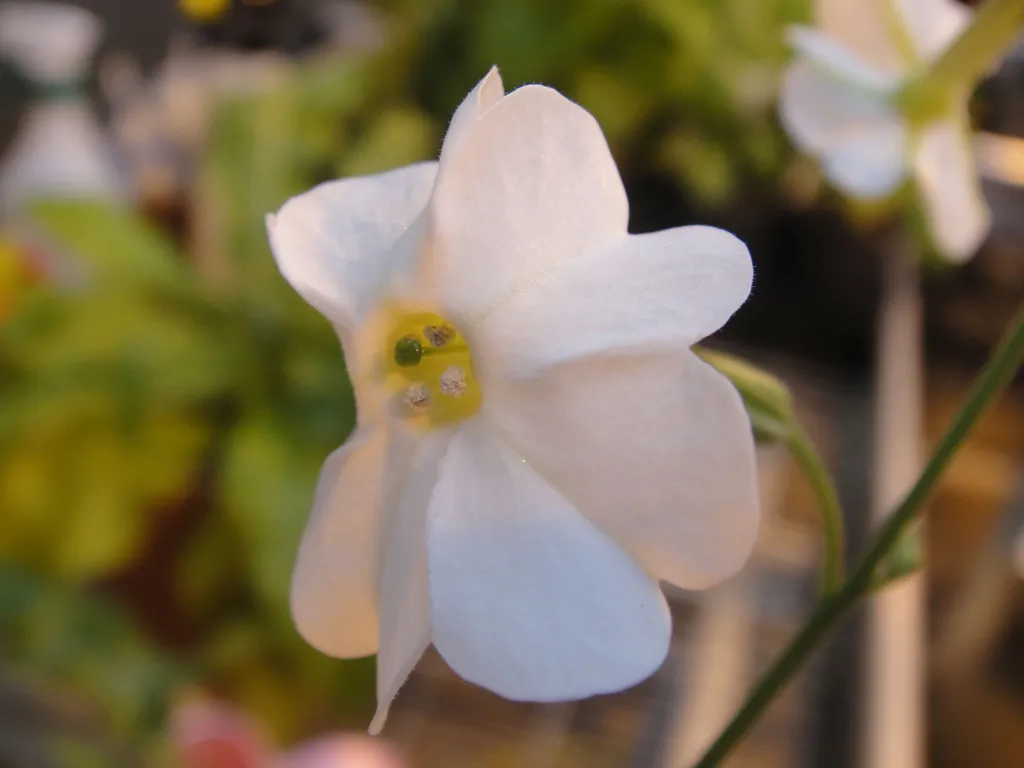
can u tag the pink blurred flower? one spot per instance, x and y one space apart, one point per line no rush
210 734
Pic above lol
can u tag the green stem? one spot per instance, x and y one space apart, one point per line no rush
813 469
994 28
1005 361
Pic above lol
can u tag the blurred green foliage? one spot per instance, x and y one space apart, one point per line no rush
162 421
89 646
682 87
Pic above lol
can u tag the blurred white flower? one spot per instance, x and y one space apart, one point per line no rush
536 443
60 149
838 104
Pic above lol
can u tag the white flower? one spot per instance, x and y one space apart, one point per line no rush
520 520
837 104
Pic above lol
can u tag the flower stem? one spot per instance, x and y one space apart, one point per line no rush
982 44
1002 365
813 469
994 28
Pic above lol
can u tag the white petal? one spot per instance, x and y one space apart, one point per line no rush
666 289
855 132
334 587
951 190
892 35
404 593
820 111
869 166
932 24
532 185
334 244
485 95
530 600
655 450
866 28
838 61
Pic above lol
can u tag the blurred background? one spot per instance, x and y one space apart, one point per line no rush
166 400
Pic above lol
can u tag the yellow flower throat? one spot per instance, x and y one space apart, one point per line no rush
430 371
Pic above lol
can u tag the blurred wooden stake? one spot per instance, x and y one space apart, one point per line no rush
716 669
894 693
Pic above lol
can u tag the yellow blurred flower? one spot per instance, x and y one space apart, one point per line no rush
16 272
204 10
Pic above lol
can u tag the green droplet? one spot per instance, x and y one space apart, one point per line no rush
408 352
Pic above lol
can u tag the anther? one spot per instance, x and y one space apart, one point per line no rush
417 397
453 381
438 335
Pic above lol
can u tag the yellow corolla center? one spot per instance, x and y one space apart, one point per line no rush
429 370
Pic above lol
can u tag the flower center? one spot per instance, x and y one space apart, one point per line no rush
429 369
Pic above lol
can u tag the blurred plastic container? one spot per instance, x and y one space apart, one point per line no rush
60 149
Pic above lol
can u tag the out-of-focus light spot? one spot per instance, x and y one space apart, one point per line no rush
1018 554
1000 158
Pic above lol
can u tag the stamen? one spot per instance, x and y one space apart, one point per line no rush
453 381
439 335
417 397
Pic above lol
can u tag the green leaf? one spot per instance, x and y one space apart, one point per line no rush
120 341
267 491
80 495
85 646
399 135
255 160
114 243
100 524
